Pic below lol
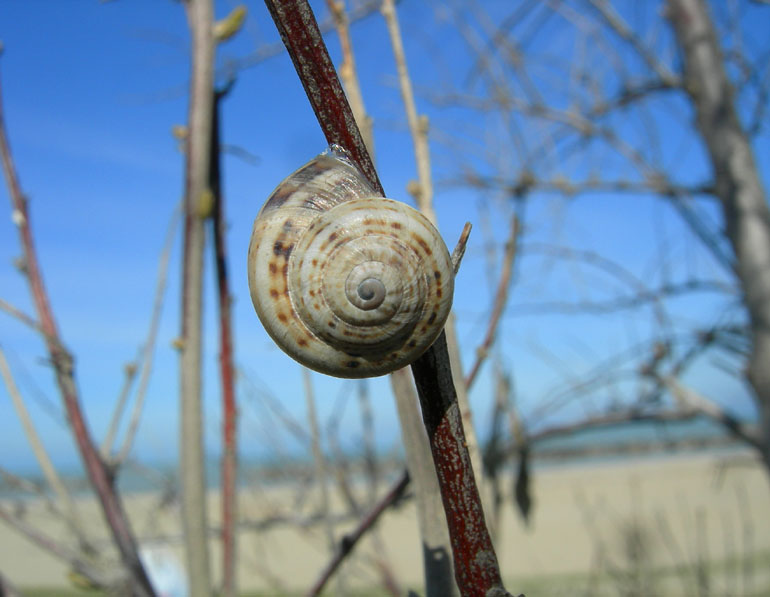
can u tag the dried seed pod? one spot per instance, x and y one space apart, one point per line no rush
347 283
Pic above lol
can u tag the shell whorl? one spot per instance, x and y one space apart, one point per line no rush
347 283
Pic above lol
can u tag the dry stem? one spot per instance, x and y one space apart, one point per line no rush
198 160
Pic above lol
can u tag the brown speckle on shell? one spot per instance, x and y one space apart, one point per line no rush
424 245
281 250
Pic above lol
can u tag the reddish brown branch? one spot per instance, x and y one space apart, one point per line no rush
501 299
476 568
64 369
226 367
349 541
298 28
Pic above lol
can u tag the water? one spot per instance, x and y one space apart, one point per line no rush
591 446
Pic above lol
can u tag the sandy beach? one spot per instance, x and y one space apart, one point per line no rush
588 519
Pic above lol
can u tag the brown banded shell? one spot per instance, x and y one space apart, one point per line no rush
345 282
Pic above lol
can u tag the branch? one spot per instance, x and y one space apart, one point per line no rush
64 370
198 202
422 190
20 315
737 182
438 570
319 461
348 72
476 566
146 353
690 400
226 368
348 542
49 545
501 299
619 26
41 455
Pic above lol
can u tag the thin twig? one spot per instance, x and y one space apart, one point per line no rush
348 542
617 24
149 345
129 376
319 460
49 545
41 455
501 299
459 251
690 400
20 315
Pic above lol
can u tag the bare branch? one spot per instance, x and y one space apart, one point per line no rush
348 73
737 182
436 561
226 369
41 455
97 577
318 458
65 377
617 24
501 299
147 350
198 200
348 542
20 315
690 400
476 565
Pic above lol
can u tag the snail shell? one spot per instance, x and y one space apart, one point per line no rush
347 283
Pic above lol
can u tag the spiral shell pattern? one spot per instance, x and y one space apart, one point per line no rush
347 283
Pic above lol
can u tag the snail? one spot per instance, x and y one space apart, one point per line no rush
348 283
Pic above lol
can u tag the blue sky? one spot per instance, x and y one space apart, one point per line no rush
91 91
